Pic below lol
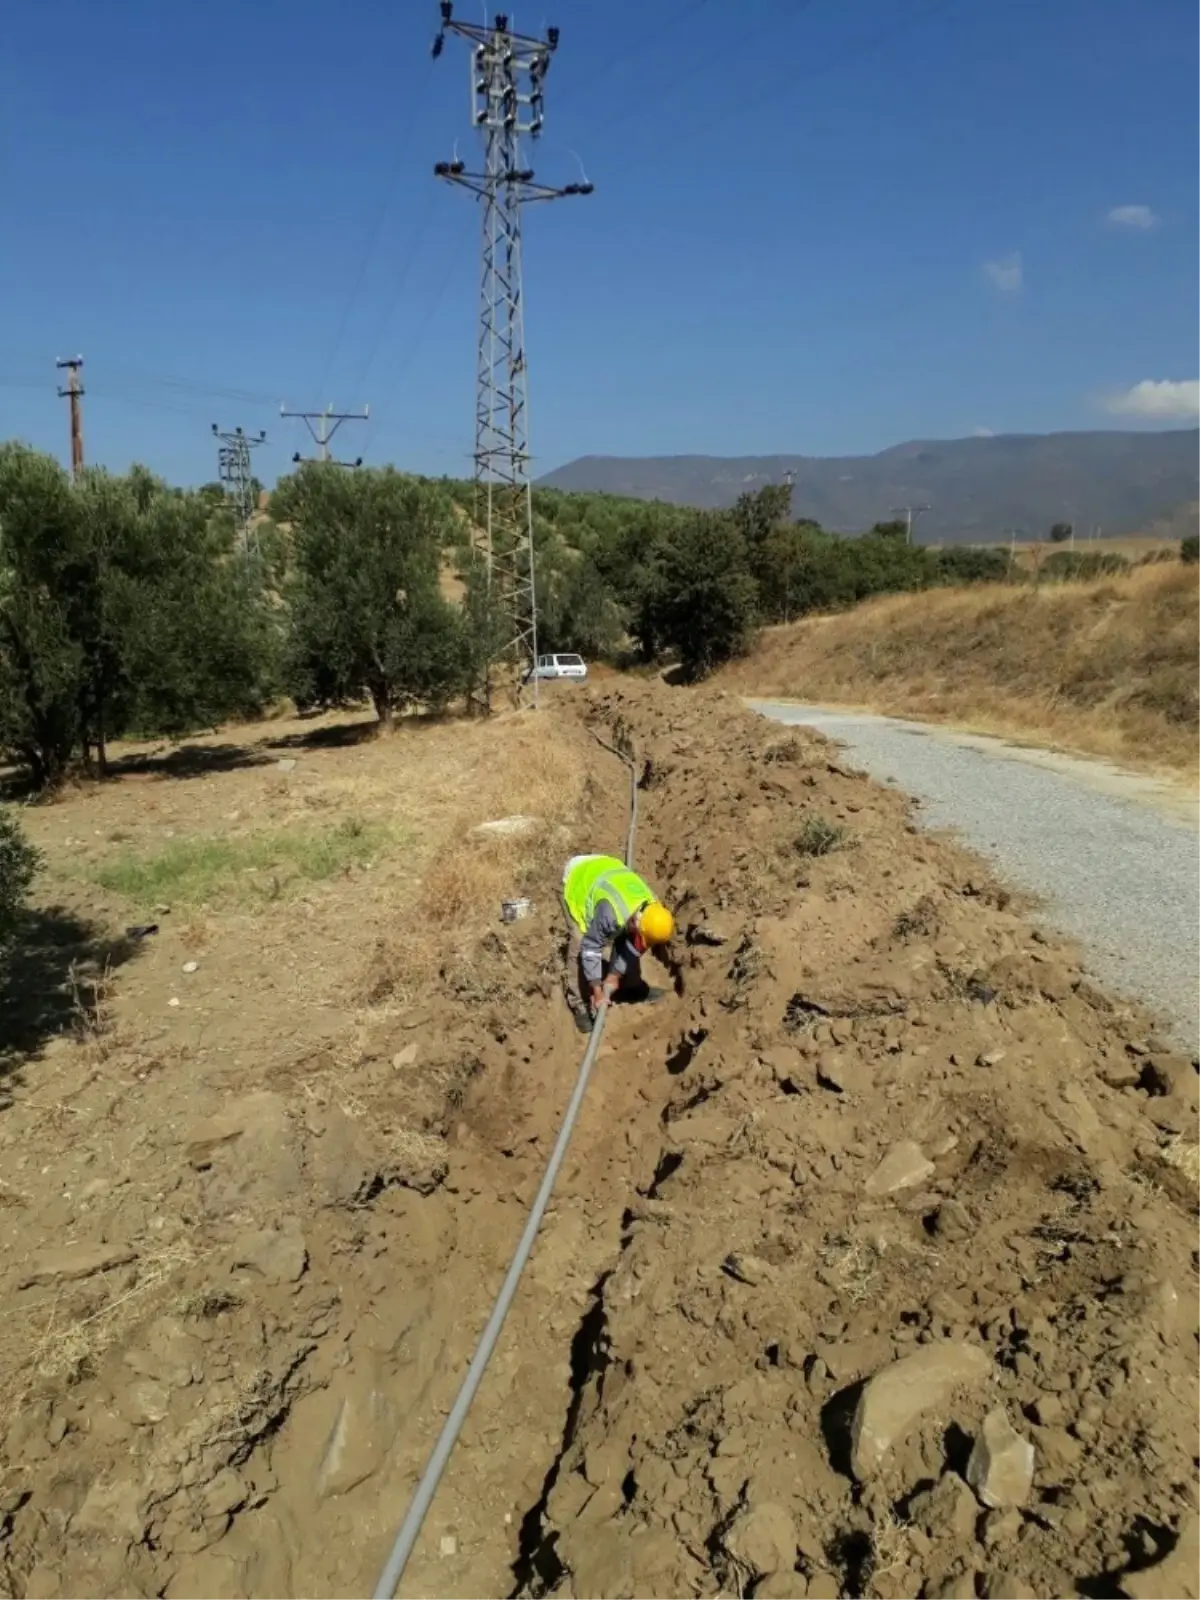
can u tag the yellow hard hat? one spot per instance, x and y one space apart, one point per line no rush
656 924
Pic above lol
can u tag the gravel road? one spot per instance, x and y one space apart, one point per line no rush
1114 859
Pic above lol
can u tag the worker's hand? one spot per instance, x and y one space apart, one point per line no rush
602 993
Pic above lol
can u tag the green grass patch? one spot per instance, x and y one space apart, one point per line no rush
264 866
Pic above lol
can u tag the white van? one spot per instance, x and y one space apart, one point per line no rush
560 666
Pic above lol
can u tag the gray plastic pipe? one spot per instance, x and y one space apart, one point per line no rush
410 1528
389 1578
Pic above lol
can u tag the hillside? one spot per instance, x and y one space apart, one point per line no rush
1105 668
977 489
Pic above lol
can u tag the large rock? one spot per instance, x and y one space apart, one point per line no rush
74 1261
900 1394
113 1511
279 1254
904 1166
363 1432
763 1538
1000 1469
248 1150
1175 1577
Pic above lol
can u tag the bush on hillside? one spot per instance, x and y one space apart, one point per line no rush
18 863
1076 565
1189 548
971 564
367 616
123 607
699 599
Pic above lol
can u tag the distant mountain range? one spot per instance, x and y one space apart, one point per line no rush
977 489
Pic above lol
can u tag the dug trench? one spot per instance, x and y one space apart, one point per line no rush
871 1269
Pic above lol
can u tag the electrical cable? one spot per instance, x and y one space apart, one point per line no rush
376 234
797 77
410 1528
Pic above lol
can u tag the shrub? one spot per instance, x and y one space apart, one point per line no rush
18 863
1073 566
819 836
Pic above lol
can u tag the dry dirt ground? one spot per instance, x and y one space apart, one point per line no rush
871 1271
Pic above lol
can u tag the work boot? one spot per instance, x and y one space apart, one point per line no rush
583 1023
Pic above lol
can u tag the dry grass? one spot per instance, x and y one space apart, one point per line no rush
1134 548
1105 668
1185 1158
527 766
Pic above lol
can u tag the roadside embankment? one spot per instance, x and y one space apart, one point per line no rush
1105 668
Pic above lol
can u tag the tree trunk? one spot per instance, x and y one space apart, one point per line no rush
382 701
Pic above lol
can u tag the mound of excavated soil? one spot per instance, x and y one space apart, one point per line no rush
872 1268
908 1180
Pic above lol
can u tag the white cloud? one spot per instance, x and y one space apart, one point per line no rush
1158 397
983 433
1007 274
1133 217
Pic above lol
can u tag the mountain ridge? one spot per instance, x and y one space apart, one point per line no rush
977 488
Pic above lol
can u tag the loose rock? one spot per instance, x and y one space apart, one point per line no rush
763 1538
1000 1469
904 1166
897 1396
845 1074
280 1254
75 1261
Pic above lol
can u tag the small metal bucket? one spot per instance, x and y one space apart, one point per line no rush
514 910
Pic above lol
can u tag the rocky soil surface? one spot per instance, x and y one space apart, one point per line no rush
872 1269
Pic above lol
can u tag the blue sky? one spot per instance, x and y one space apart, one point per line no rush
818 227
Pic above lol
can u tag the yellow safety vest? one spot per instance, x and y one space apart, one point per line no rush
598 878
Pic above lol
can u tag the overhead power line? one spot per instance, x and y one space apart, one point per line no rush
323 425
508 76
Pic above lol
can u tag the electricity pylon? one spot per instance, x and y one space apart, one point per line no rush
508 72
233 469
323 425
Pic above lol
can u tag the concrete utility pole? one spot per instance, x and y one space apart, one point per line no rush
910 515
74 392
233 469
508 74
323 425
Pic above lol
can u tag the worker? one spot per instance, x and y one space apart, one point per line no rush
605 903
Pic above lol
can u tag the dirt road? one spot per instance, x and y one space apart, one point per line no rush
1114 857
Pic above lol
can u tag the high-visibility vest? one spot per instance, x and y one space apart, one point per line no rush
596 878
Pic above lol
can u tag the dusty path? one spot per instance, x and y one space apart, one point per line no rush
1115 857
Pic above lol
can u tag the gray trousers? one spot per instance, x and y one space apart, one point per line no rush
577 991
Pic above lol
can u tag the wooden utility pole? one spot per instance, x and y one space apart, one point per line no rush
74 393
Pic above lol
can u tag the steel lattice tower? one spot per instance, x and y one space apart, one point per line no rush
233 469
508 71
